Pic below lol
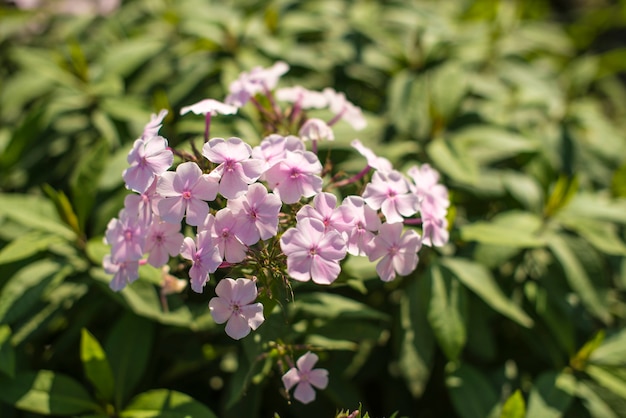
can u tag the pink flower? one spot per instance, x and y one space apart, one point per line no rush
236 169
273 148
258 80
152 128
224 231
184 192
124 272
256 213
144 205
295 176
305 377
164 240
312 252
365 222
301 97
343 109
398 251
234 306
205 258
324 209
316 130
390 193
211 106
373 160
147 159
126 236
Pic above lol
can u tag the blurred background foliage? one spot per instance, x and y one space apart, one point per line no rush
521 105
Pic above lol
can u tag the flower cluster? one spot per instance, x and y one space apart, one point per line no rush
275 202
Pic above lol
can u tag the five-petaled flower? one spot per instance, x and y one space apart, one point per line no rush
234 305
305 377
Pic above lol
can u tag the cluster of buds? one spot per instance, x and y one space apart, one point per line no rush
272 212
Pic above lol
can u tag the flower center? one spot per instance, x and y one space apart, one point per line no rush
225 233
186 194
294 173
313 251
229 165
128 235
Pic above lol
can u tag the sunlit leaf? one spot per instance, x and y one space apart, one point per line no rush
164 403
96 365
550 395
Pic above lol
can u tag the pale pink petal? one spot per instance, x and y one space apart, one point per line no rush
253 314
237 327
165 185
324 271
385 270
304 392
220 309
319 378
226 289
245 291
291 378
172 209
306 362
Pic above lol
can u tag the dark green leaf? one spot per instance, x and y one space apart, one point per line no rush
551 395
164 403
7 352
96 365
46 392
472 394
511 229
28 245
128 347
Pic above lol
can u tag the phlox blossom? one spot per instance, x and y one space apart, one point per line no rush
163 240
256 213
273 147
305 377
434 204
379 163
148 158
124 272
209 106
312 252
234 305
295 176
316 130
204 256
364 223
144 205
224 229
398 251
255 81
184 194
325 209
301 97
344 109
126 236
236 170
390 193
152 128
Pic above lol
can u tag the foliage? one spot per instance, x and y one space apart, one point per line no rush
522 314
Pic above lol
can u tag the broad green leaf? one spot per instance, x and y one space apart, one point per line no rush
612 351
164 403
579 361
446 312
480 281
472 394
525 189
84 178
514 407
587 205
601 234
487 144
452 162
596 406
129 346
511 229
126 57
448 86
46 392
333 306
562 192
28 245
7 352
612 378
34 212
96 365
25 288
577 277
64 208
417 347
550 396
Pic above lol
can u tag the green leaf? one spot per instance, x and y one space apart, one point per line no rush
612 351
577 277
129 346
64 208
471 393
164 403
596 406
333 306
579 360
514 407
601 234
96 365
480 281
34 212
46 392
511 229
448 86
25 288
28 244
417 347
618 183
446 312
486 144
7 352
124 58
84 178
550 396
452 162
612 378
